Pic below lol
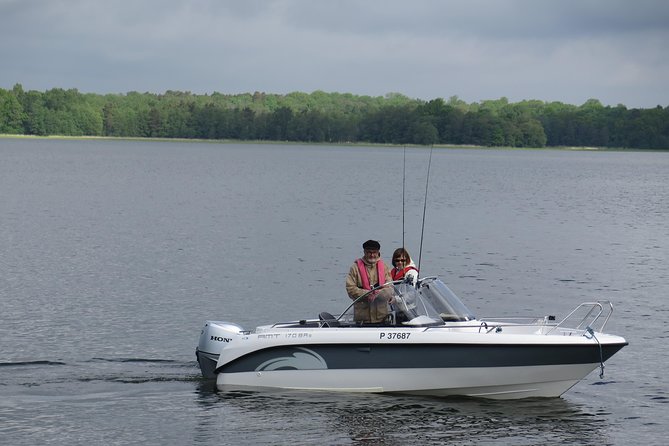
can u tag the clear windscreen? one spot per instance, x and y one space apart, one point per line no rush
431 303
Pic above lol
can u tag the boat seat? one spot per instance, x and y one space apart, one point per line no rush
328 320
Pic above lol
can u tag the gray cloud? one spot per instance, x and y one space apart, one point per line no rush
564 50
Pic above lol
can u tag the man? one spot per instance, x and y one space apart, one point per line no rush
363 275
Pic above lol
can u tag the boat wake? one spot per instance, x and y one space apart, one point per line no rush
144 360
30 363
128 370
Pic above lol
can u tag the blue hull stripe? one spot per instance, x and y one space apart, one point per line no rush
374 356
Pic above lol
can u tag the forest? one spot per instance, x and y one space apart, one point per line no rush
321 117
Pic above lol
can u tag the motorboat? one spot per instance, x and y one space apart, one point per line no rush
429 344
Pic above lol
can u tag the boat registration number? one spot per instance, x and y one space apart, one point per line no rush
393 335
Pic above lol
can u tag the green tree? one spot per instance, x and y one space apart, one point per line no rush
333 117
11 113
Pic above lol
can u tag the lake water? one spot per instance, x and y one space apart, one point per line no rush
114 253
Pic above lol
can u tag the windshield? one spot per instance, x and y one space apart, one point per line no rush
432 303
449 307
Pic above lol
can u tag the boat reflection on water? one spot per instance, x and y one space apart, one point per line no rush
430 344
265 416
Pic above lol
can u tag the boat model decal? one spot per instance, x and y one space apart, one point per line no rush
302 359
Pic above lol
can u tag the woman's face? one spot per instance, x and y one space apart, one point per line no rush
400 261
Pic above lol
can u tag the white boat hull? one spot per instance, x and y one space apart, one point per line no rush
495 383
436 362
429 352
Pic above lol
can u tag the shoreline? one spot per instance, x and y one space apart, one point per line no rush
340 144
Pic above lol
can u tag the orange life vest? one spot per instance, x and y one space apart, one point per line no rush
380 272
398 274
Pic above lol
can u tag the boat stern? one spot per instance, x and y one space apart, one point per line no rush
214 337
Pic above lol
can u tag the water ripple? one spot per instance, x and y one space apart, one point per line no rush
30 363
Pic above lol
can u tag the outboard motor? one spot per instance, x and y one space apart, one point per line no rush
214 337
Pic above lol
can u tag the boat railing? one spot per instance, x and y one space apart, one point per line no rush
497 324
591 314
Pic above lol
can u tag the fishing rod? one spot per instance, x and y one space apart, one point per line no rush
404 178
422 231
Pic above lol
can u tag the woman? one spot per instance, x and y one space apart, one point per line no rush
403 266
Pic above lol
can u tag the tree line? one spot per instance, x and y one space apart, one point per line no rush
331 117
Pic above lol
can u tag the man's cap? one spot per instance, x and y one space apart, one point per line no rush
371 244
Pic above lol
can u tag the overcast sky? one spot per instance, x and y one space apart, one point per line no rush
551 50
